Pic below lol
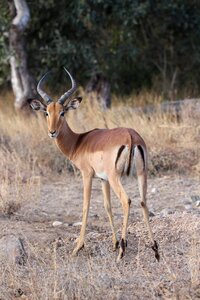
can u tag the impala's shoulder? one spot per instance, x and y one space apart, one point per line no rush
89 133
85 135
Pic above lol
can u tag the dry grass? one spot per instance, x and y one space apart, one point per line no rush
15 191
26 151
51 272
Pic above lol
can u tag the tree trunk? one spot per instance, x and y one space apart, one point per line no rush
98 89
21 80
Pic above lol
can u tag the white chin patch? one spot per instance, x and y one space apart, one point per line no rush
53 136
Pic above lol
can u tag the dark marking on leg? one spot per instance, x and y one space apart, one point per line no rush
119 153
142 204
155 249
116 245
129 202
122 245
81 247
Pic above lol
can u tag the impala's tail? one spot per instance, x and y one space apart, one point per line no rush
137 161
131 159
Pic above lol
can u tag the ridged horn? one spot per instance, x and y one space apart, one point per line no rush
66 95
40 91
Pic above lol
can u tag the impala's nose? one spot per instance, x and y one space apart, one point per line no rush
53 134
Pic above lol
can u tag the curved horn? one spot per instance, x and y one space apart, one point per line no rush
44 95
66 95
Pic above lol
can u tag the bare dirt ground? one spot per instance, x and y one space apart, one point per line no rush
50 272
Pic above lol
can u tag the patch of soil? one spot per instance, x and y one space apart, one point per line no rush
94 274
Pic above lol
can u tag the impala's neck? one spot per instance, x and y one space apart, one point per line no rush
66 140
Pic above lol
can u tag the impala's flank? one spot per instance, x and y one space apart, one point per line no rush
107 154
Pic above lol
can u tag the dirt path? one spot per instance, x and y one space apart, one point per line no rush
62 200
95 274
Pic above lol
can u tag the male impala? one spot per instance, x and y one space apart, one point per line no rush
107 154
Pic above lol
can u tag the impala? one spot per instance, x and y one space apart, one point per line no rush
108 154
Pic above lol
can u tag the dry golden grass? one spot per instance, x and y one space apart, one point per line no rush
27 150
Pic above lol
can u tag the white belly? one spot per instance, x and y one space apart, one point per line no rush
102 175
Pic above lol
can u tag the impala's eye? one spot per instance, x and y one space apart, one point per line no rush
46 114
62 113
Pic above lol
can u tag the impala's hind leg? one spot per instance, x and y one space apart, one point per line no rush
108 208
140 164
125 201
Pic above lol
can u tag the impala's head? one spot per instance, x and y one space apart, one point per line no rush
55 111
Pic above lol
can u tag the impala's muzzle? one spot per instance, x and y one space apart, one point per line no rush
53 134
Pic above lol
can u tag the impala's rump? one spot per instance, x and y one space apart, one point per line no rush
129 159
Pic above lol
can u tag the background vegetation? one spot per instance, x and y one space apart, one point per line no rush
134 44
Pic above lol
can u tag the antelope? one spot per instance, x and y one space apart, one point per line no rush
108 154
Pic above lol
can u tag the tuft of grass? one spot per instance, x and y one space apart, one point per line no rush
16 190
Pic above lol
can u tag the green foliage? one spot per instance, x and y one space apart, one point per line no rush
4 52
135 44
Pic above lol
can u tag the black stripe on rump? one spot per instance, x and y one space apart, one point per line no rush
119 153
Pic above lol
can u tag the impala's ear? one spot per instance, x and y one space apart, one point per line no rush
37 105
73 104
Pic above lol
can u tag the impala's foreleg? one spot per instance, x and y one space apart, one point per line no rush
87 185
108 208
141 170
125 201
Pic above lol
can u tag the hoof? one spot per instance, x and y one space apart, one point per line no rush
74 253
120 255
123 245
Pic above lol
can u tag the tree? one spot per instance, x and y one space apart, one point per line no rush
98 89
22 82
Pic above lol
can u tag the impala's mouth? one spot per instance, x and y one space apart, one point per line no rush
53 134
